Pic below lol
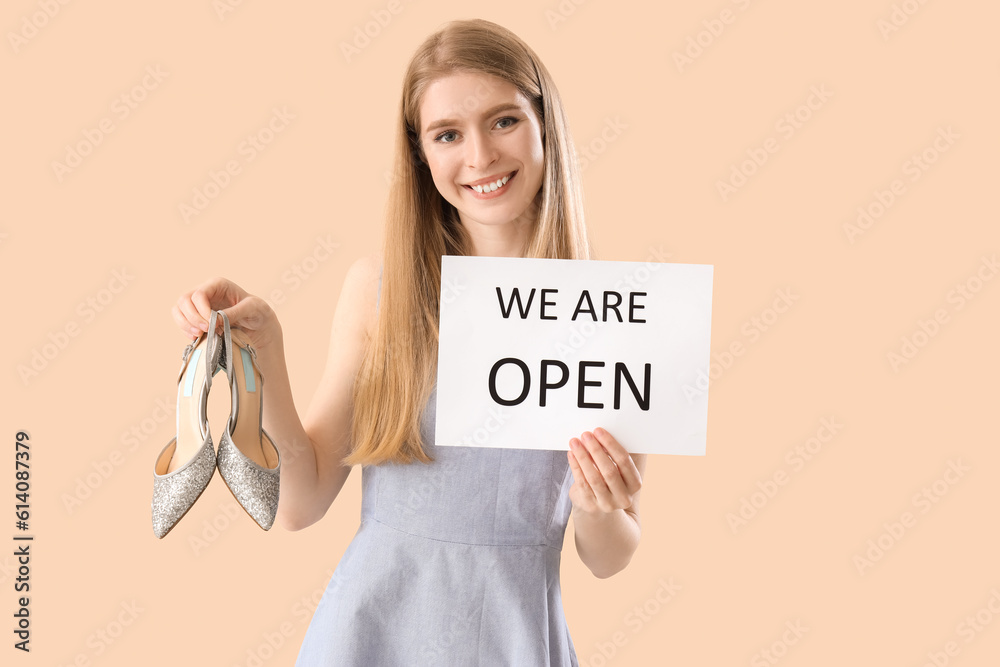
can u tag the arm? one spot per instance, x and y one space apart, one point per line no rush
605 495
311 449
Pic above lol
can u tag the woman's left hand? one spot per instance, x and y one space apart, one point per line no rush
605 478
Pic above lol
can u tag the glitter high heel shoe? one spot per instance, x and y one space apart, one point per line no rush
248 460
185 466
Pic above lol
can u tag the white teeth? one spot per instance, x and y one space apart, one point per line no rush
491 187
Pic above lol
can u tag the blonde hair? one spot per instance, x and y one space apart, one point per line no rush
399 365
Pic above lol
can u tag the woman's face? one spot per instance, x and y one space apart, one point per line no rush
478 129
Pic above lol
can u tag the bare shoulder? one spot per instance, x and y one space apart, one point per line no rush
353 318
360 291
368 266
328 420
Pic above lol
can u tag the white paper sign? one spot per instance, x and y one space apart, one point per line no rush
533 352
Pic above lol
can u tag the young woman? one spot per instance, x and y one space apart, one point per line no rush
456 561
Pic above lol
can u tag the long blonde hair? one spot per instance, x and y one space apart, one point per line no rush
399 366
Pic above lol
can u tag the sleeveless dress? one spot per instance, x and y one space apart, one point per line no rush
455 564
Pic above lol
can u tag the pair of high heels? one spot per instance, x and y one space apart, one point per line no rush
247 459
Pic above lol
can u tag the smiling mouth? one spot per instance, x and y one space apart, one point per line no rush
493 186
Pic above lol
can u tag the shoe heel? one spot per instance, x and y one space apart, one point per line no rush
185 466
248 460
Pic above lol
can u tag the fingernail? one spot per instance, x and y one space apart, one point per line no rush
194 331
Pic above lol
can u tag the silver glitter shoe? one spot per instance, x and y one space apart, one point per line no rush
185 466
248 460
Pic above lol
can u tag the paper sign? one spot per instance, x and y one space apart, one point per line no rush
533 352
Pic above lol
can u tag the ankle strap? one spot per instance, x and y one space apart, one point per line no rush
227 344
212 351
227 338
227 341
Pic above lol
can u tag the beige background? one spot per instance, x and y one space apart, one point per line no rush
217 596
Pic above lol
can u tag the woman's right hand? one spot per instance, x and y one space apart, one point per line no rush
246 312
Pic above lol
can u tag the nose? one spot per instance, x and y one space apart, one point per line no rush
480 150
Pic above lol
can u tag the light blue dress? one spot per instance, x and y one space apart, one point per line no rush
455 564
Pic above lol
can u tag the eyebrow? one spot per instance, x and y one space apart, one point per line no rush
489 112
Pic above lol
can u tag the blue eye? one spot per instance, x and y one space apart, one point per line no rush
504 123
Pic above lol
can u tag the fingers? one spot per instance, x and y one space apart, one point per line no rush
622 459
184 323
590 462
187 316
193 309
250 314
607 467
581 479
